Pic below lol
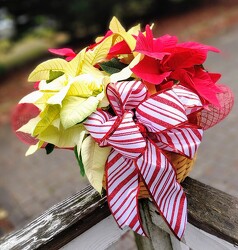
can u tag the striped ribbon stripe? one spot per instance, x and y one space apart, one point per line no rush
162 111
126 95
99 124
123 134
160 178
184 140
189 99
132 93
127 138
114 99
122 191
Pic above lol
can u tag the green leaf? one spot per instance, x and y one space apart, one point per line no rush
49 148
42 71
53 75
94 160
113 66
79 160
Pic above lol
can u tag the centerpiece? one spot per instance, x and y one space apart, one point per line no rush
133 108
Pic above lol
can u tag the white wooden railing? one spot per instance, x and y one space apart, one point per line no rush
83 221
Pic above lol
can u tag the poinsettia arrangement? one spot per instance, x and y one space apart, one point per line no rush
123 104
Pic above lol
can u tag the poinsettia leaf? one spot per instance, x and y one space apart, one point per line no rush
94 160
31 97
33 148
115 26
120 48
84 85
112 66
50 114
74 67
80 161
148 69
99 53
30 126
53 75
147 45
59 96
60 137
63 52
75 109
42 71
49 148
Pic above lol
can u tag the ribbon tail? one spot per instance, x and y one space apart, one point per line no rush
122 191
160 179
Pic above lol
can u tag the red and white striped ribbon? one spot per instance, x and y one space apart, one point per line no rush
122 191
162 111
141 129
119 132
188 98
184 140
168 195
100 124
126 95
127 138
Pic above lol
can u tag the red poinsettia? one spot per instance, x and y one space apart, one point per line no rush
165 59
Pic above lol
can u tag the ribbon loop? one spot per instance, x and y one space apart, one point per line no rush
126 95
162 111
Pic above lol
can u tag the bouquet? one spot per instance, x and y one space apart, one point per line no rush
133 108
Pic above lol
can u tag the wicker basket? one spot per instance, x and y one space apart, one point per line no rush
183 167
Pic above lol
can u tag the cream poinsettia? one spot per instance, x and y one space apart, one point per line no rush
68 93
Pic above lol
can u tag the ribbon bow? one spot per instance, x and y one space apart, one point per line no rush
139 129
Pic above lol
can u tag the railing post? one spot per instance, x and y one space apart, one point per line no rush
157 239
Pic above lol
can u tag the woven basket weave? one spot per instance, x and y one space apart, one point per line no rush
182 164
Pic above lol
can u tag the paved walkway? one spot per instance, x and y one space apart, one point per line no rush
217 163
30 185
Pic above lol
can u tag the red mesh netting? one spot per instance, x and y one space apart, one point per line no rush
209 118
21 115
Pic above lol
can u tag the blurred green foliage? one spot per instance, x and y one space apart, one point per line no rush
89 17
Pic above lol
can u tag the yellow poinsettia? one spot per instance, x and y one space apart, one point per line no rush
67 94
69 91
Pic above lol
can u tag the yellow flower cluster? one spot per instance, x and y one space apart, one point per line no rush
69 92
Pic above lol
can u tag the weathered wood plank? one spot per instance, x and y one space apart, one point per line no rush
209 209
212 210
61 223
193 238
100 237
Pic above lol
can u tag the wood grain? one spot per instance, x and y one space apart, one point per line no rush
212 210
208 209
61 223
